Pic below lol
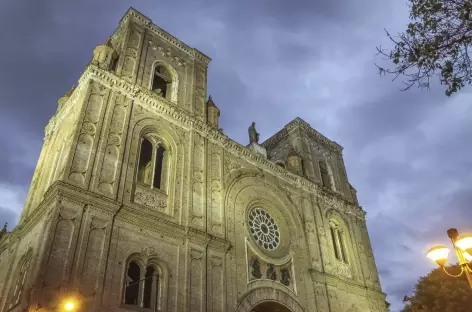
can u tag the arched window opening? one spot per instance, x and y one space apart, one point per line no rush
158 170
342 247
132 284
145 163
334 238
114 63
150 288
161 82
325 178
153 165
339 246
143 283
20 282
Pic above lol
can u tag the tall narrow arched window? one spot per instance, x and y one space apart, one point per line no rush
153 164
325 177
162 82
151 288
145 163
143 284
133 277
20 280
339 244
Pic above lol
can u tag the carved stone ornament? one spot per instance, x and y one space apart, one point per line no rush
150 198
149 251
256 269
231 165
270 273
344 270
285 277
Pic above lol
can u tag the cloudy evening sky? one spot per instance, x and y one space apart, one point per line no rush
407 153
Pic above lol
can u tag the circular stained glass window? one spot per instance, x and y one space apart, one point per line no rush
264 229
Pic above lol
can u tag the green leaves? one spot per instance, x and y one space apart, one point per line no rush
435 44
438 292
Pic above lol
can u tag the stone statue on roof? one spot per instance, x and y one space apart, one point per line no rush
253 135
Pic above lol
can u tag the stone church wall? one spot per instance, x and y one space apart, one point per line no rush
93 217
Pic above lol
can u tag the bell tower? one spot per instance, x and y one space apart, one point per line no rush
112 144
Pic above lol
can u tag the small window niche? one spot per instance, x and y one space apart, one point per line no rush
325 177
162 82
339 244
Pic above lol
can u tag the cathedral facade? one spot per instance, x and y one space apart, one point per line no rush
139 201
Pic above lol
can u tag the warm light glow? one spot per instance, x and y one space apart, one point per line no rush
69 305
464 242
467 256
438 254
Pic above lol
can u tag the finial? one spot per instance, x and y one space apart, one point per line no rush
210 102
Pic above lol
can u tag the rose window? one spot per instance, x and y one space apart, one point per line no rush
264 229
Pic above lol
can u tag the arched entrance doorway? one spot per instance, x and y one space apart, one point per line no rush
270 306
268 299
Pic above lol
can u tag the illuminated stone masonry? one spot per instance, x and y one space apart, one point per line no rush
139 201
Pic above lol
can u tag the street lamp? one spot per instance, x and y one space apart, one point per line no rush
462 247
69 305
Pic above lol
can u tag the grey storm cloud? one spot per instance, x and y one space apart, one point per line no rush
405 152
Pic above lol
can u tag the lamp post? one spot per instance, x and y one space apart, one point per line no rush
463 248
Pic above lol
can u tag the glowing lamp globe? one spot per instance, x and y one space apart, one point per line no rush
464 242
438 254
69 305
467 256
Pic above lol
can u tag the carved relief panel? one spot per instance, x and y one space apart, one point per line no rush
64 233
196 273
91 252
260 268
215 189
90 126
216 278
199 109
106 179
131 54
198 181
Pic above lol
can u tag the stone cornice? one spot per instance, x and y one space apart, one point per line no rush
147 22
63 112
300 123
179 116
333 280
170 228
64 191
28 224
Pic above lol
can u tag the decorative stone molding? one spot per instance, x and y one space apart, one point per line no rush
149 251
167 53
260 268
151 198
344 269
251 299
142 19
298 122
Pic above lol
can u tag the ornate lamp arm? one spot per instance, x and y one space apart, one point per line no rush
468 267
452 275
